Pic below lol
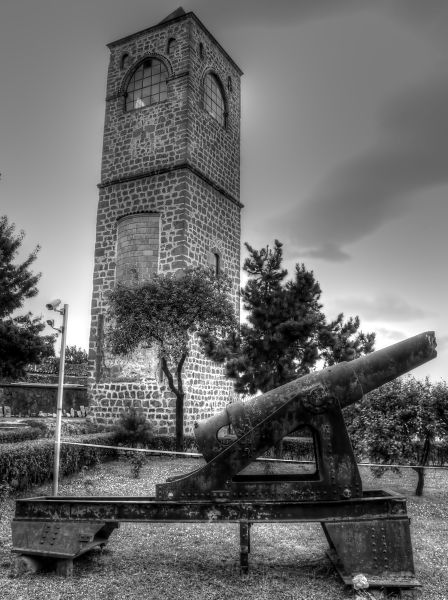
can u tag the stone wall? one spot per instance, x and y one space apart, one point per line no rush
175 162
28 400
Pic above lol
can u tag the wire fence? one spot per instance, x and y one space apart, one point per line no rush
260 459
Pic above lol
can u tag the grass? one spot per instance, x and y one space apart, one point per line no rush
201 561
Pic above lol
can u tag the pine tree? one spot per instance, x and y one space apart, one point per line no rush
21 341
17 282
286 332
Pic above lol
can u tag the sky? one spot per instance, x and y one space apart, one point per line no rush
344 151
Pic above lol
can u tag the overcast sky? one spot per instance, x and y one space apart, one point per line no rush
344 145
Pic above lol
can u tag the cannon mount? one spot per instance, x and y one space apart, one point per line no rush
368 531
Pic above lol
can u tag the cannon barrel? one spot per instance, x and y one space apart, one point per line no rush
341 384
382 366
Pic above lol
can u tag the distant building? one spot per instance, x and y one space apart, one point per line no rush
168 199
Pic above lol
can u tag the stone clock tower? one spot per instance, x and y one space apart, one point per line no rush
168 199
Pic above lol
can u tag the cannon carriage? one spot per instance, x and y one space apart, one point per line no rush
367 530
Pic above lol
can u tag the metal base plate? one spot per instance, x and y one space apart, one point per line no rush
392 580
359 530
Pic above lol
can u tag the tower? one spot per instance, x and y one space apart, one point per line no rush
168 199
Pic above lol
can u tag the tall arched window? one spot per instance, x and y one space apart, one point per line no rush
214 98
147 85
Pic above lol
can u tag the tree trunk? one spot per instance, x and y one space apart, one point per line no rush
421 481
421 469
180 396
278 449
180 422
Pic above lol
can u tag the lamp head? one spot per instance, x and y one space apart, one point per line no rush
53 305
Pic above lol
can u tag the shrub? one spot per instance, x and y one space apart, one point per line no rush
294 448
297 448
403 422
137 460
68 428
163 442
19 434
31 462
38 425
133 429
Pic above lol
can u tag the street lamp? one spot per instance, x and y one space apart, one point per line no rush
57 442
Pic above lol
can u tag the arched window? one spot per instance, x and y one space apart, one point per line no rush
214 98
147 85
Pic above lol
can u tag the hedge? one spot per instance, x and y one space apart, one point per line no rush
44 428
31 462
19 434
293 448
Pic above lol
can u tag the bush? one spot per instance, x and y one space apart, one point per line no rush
19 434
294 448
38 425
68 427
133 429
31 462
297 448
45 428
162 442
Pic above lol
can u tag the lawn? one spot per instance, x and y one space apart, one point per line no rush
201 561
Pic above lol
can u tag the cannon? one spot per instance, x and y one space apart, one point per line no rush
367 530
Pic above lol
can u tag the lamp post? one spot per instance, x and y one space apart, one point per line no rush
57 441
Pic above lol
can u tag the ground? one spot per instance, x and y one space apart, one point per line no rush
144 561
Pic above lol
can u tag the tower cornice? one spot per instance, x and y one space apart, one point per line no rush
182 166
163 24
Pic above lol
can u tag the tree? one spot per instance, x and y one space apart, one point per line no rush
399 423
76 363
286 331
21 341
17 282
165 312
75 355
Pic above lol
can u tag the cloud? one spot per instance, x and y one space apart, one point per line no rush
383 308
429 17
390 334
358 197
265 13
327 252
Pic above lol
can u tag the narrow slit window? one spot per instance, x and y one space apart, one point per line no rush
124 61
217 263
214 262
170 45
